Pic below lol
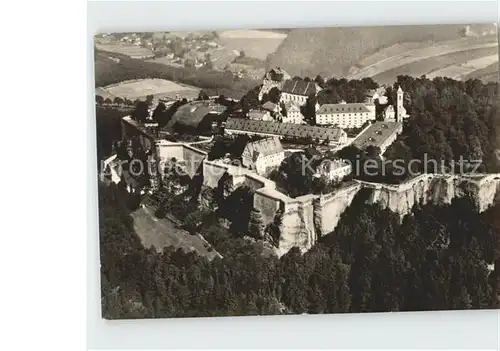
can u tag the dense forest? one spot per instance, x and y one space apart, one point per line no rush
449 120
452 128
434 260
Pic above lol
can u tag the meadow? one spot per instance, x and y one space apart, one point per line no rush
421 67
125 49
136 89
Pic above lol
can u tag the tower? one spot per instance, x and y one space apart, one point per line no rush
400 110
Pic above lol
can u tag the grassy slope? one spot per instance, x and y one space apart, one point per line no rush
332 51
425 66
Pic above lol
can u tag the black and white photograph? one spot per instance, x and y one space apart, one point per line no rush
252 172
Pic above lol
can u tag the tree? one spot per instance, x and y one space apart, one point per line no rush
141 112
203 95
274 95
118 100
158 112
208 60
193 221
242 54
99 99
320 81
309 110
108 101
255 225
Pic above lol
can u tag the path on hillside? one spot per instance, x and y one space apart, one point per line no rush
410 57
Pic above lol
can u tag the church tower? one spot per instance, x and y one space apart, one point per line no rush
400 110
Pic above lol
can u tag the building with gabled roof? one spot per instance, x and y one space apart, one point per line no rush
344 115
298 90
196 115
293 113
379 134
271 107
334 136
389 114
259 115
261 155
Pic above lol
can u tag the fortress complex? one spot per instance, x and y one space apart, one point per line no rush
304 219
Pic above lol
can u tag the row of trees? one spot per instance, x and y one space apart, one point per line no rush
118 100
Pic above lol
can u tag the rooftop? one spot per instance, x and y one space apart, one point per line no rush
300 87
285 129
263 147
257 114
342 108
377 134
290 106
193 112
270 106
149 131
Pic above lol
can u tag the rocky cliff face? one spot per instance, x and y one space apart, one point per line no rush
304 226
297 228
309 217
328 208
435 189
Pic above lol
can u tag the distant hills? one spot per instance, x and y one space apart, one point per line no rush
338 51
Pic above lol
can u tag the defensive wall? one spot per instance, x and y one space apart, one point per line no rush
306 218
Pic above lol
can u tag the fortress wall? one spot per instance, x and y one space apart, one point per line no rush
328 208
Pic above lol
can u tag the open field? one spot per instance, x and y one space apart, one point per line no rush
161 233
158 87
125 49
408 57
334 51
402 50
492 77
428 65
485 74
255 43
458 71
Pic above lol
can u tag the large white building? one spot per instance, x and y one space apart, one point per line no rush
298 90
345 115
263 154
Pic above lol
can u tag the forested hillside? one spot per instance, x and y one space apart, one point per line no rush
434 260
449 120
